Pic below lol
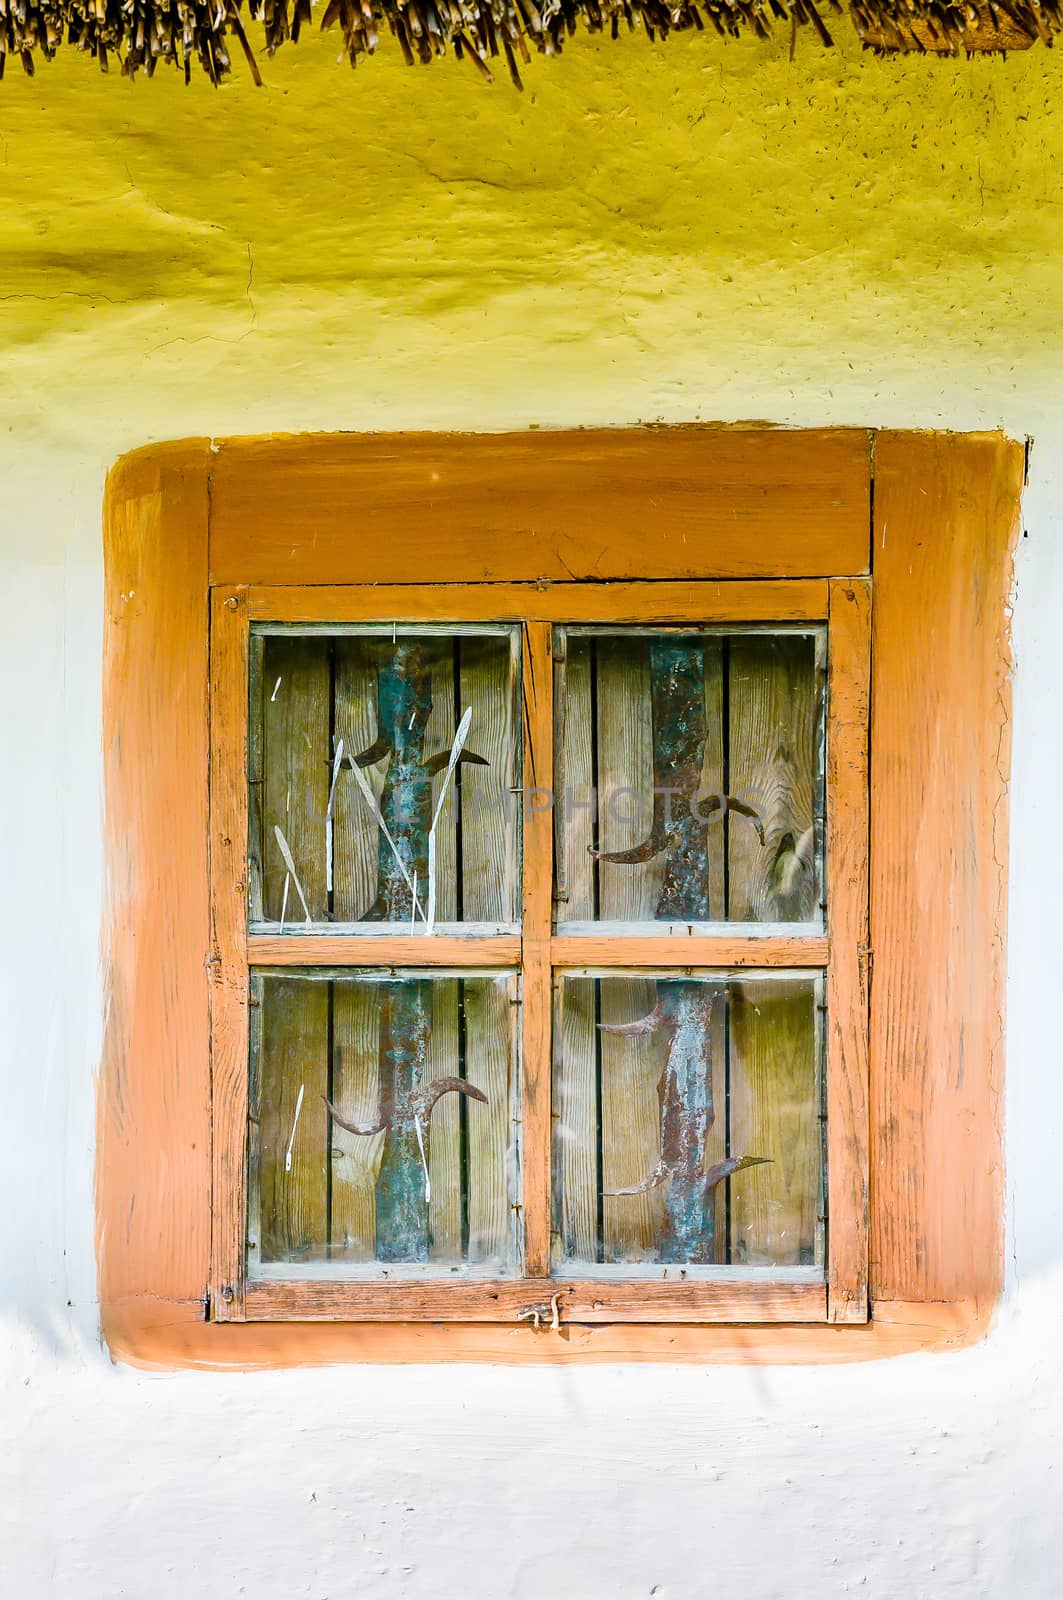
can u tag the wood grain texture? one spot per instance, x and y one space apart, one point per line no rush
629 1110
156 1334
575 780
438 739
153 1110
229 976
355 827
385 950
631 1123
354 1158
292 1074
775 1114
848 805
295 751
772 765
946 519
554 505
256 783
687 951
490 1130
502 1300
694 601
712 773
293 1067
488 807
444 1137
576 1178
538 884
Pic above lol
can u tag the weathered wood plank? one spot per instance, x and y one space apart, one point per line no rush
772 762
296 700
774 1115
577 811
946 519
555 505
625 779
229 1031
383 950
577 1179
255 777
588 1301
592 949
848 802
296 774
292 1074
489 1126
145 1333
153 1136
355 828
438 740
488 807
772 765
538 876
712 776
642 604
631 1123
445 1142
443 1138
630 1116
355 1158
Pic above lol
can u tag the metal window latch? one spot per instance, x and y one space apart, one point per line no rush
545 1315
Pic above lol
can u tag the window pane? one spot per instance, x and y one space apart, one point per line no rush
422 1177
687 1121
330 708
692 777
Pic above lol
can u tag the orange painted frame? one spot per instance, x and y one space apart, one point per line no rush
841 1295
749 504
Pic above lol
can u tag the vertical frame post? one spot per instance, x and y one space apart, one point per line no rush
538 830
228 952
848 711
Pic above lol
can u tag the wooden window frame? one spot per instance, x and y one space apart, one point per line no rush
839 1291
525 528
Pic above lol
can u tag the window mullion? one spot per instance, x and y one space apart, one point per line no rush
381 950
848 973
537 719
627 950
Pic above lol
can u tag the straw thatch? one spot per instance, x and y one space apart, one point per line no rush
135 35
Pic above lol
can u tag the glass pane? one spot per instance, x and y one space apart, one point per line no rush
687 1121
383 1121
691 771
354 796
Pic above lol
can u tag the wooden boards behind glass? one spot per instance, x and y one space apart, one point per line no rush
690 776
383 1120
688 1121
354 728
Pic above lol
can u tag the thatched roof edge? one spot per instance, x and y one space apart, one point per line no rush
136 35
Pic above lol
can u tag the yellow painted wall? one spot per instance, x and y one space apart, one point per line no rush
699 229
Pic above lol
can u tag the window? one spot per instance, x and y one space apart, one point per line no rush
543 970
691 612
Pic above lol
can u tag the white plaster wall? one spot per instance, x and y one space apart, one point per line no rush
930 1476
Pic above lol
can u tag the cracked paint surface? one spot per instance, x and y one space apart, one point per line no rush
701 230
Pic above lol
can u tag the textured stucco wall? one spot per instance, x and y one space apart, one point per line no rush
701 230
